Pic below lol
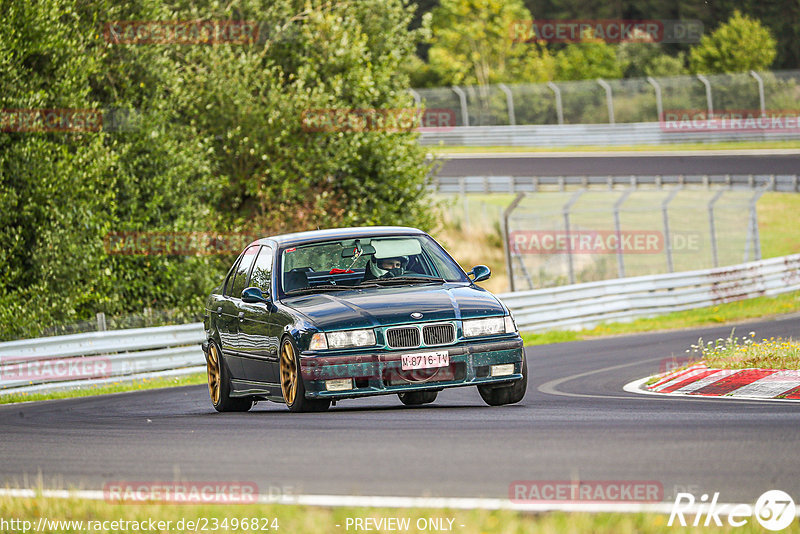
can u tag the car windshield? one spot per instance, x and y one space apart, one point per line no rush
366 262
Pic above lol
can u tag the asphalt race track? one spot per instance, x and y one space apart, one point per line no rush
616 164
575 422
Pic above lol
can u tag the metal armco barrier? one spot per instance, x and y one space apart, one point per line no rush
58 362
566 135
624 299
172 350
785 183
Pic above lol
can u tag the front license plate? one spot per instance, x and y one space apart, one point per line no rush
425 360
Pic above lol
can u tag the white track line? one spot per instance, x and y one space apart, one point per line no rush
452 503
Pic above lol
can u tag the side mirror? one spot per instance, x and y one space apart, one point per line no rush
480 272
253 295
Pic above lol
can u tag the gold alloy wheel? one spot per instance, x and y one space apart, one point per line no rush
288 373
212 367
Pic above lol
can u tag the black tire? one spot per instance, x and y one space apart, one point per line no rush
498 396
292 386
414 398
219 383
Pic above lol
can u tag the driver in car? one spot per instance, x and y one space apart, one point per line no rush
385 267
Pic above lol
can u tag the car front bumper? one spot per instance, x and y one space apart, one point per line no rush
380 372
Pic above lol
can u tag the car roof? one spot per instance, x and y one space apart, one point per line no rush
299 238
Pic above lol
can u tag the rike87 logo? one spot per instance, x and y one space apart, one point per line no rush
774 510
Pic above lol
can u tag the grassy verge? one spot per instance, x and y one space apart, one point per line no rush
729 145
118 387
713 315
301 519
746 352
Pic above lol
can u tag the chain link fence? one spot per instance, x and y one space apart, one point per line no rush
614 101
561 238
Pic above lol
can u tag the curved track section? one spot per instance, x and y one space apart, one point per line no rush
575 422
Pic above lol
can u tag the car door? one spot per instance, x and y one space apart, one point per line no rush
231 314
223 311
259 335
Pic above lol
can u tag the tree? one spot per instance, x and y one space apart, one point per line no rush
218 145
641 57
739 45
65 192
325 59
588 60
472 43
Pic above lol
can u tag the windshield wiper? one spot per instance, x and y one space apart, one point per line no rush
407 280
321 288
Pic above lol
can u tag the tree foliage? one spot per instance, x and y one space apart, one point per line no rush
739 45
471 43
213 142
589 59
454 24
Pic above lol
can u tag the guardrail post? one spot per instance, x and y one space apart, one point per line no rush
559 109
417 98
609 99
512 119
465 205
752 229
506 244
565 210
101 321
659 103
667 236
618 229
462 96
761 101
709 100
713 229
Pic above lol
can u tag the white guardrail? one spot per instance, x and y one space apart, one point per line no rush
96 358
565 135
624 299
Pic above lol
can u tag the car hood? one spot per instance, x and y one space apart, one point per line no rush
373 307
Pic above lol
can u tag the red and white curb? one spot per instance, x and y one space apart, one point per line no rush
701 381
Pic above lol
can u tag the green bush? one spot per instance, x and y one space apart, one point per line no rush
217 145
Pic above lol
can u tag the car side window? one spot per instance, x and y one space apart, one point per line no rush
262 270
242 271
229 279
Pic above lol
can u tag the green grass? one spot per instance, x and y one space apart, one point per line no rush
747 352
728 145
117 387
305 519
778 226
742 310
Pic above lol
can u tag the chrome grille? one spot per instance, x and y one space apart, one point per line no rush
438 334
403 338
